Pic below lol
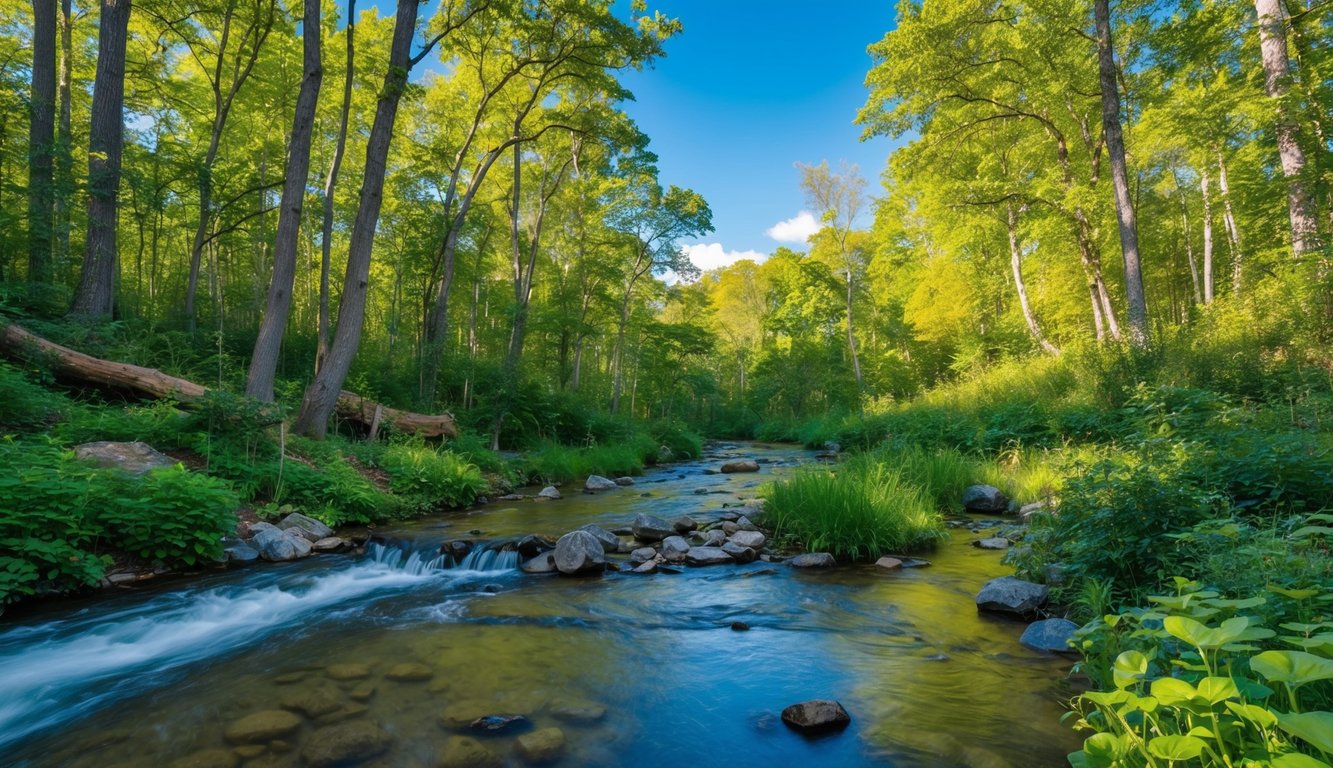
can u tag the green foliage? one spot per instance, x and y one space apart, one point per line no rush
427 479
551 463
861 510
1187 681
171 516
26 406
679 441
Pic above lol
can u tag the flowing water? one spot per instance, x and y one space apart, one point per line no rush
154 676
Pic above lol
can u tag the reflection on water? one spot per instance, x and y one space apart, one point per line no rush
635 670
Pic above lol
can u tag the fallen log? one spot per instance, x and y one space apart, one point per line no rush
22 344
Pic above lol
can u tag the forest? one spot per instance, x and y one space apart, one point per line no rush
1095 272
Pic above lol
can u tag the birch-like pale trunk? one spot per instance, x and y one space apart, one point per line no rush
330 184
1016 264
1136 303
1207 238
1229 221
1277 81
1189 241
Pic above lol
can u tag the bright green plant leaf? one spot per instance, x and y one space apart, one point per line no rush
1176 747
1205 637
1315 728
1292 667
1173 692
1255 714
1218 689
1130 668
1294 594
1297 760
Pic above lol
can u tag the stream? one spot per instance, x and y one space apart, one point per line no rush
636 670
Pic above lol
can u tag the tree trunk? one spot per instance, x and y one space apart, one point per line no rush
1124 207
1016 264
1189 241
41 141
64 158
96 293
1277 81
320 397
1229 220
330 183
1207 239
268 343
851 332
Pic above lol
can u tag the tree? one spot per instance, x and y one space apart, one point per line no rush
839 198
1124 206
331 183
264 360
96 293
41 141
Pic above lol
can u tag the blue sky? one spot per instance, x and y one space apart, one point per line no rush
748 90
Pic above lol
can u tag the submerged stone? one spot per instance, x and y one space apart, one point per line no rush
499 723
345 744
207 758
813 560
1050 636
816 716
1010 595
410 672
740 465
262 726
538 747
467 752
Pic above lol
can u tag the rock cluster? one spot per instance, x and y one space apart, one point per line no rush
294 537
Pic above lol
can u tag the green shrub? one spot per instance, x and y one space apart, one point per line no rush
171 516
1187 681
160 424
26 406
429 479
860 510
681 443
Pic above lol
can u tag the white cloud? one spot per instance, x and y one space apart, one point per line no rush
708 256
797 229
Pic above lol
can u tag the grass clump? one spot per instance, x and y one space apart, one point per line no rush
862 510
427 479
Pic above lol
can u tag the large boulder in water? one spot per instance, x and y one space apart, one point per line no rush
1010 595
277 545
596 483
579 552
740 465
345 744
543 563
549 492
609 541
650 528
262 727
817 716
135 458
1050 635
985 498
307 526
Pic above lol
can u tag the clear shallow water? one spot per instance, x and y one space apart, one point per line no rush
147 678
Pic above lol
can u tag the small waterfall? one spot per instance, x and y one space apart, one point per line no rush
406 557
488 559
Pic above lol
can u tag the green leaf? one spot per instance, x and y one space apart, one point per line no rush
1294 594
1105 746
1297 760
1205 637
1130 668
1253 713
1314 728
1176 747
1218 689
1292 667
1173 692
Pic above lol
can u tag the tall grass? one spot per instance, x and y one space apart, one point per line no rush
862 510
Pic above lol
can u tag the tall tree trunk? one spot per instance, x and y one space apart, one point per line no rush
1208 292
64 171
1229 220
1189 240
618 353
851 331
1124 207
96 293
330 183
1277 81
322 395
268 343
41 141
1016 264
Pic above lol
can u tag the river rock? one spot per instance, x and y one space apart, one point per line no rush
1010 595
549 492
262 727
890 563
744 523
278 545
576 711
739 553
675 548
1050 635
457 549
609 541
308 527
543 563
740 465
410 672
579 552
714 538
467 752
684 524
313 702
596 483
240 552
995 542
543 746
348 671
642 555
1028 510
650 528
813 560
533 545
207 758
135 458
753 539
624 481
345 744
499 723
707 556
648 566
816 716
984 498
330 544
